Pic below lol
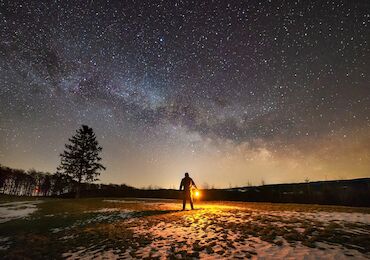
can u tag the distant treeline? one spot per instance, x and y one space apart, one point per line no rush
32 183
35 183
343 192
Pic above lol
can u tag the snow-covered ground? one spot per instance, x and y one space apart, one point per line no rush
15 210
4 243
208 234
138 228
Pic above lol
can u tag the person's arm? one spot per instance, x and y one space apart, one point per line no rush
194 184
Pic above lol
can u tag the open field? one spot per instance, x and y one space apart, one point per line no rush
142 228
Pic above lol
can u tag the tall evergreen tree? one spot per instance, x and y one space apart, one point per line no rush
81 159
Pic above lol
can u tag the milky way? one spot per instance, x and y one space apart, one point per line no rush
273 91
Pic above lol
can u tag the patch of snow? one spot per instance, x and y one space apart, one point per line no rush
104 210
56 230
4 243
92 254
103 215
17 203
67 237
16 210
322 216
107 215
354 217
123 201
267 250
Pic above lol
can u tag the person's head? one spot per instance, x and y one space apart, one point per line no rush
186 174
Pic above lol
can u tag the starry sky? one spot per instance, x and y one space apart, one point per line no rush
235 92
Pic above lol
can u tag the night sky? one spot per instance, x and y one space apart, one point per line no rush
273 91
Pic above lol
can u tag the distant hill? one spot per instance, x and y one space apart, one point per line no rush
355 192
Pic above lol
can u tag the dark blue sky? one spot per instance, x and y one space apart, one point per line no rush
232 92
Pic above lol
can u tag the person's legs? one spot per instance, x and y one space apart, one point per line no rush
191 201
184 200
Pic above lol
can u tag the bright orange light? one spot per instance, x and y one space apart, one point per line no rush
197 194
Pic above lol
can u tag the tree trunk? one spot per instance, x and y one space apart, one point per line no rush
78 188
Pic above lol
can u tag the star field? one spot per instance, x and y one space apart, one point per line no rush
234 92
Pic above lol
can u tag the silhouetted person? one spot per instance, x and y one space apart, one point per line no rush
186 184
